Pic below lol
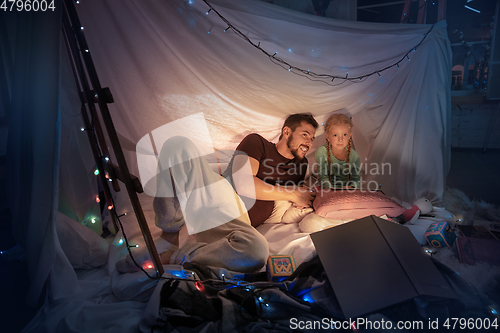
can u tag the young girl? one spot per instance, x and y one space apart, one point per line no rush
339 164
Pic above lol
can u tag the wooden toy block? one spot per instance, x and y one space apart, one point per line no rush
279 267
440 234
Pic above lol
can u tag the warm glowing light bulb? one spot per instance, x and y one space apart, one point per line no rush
147 264
110 207
97 199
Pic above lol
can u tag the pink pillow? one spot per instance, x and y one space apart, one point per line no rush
354 204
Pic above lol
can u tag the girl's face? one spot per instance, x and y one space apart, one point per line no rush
339 136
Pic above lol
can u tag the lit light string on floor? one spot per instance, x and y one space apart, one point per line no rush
325 78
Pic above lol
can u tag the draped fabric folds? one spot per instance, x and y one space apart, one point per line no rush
33 148
165 60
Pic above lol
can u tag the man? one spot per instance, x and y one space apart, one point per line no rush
278 169
227 239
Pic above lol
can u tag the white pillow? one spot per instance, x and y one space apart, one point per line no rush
313 223
280 207
295 215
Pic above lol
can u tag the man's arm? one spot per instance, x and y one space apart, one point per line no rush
245 186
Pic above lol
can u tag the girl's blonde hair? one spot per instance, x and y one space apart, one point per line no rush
333 120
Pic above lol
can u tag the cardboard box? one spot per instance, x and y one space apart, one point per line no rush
279 267
440 234
372 263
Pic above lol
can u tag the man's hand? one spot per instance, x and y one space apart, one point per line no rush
303 197
300 196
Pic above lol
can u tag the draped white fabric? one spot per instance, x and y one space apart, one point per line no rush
33 151
165 60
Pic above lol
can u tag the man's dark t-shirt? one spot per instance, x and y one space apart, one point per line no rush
274 169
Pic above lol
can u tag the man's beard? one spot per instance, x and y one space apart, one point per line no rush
295 152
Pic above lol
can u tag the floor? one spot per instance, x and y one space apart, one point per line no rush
14 281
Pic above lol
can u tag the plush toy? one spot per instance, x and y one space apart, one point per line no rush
421 206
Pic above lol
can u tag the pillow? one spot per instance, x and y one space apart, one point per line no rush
313 223
354 204
280 207
84 248
295 215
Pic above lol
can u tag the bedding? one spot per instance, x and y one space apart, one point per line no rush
314 222
285 212
83 247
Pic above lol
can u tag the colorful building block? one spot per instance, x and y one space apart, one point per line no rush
440 234
279 267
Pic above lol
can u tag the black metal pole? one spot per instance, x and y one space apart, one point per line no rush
82 85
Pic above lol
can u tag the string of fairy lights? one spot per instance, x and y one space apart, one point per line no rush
321 77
